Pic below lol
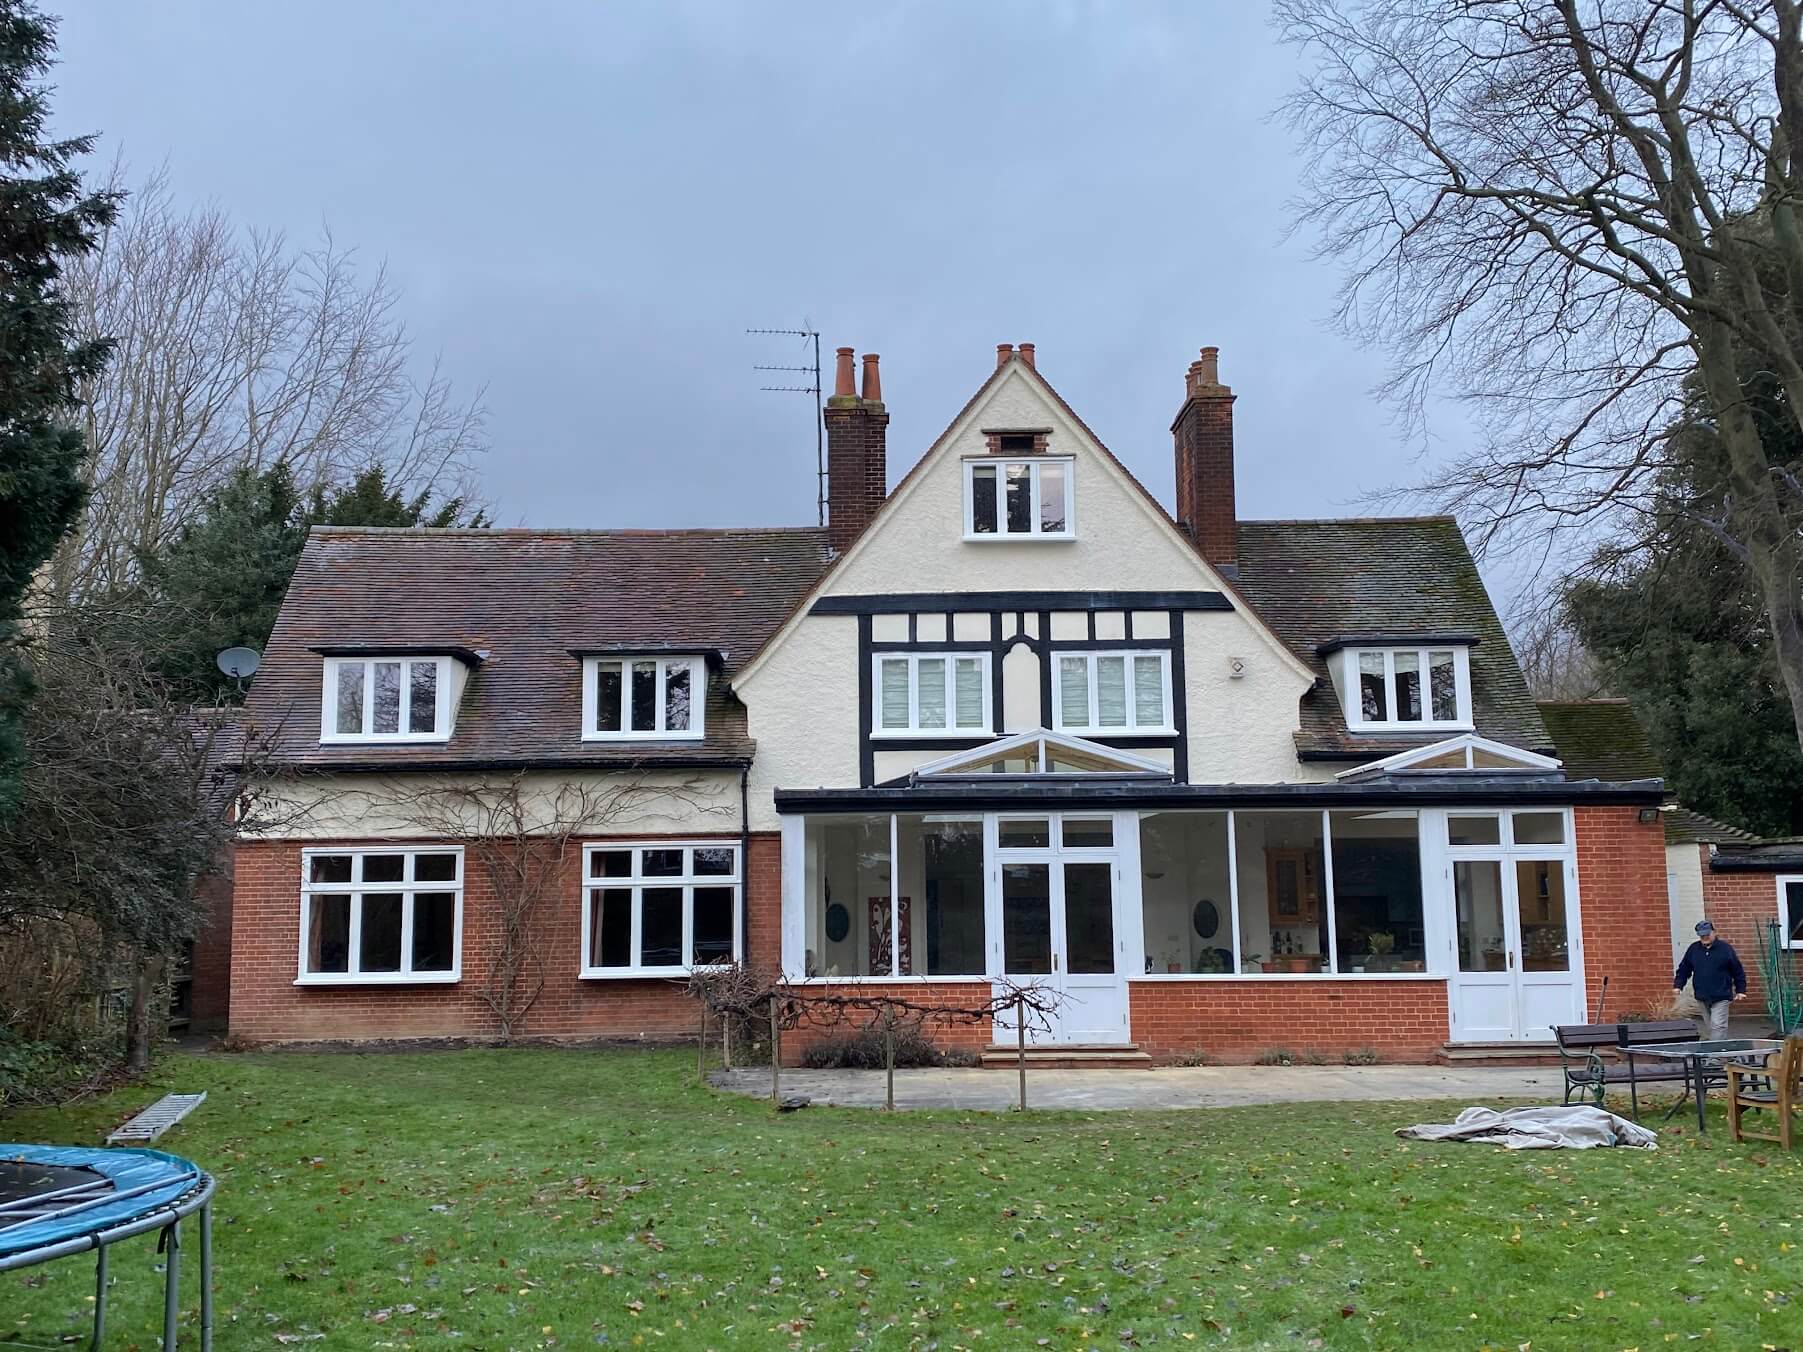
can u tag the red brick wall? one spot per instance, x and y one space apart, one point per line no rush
211 967
1737 904
857 473
266 1005
1626 910
1239 1020
973 1036
1203 434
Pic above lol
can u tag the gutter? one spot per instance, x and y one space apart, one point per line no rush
1076 794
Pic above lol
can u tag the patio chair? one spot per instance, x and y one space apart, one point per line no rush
1771 1086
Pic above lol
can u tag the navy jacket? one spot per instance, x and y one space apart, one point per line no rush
1716 971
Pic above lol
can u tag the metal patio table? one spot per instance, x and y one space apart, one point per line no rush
1699 1056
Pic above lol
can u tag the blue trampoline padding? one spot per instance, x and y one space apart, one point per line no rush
166 1178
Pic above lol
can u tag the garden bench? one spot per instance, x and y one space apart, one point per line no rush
1583 1046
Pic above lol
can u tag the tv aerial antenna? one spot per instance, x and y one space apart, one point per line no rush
808 334
239 663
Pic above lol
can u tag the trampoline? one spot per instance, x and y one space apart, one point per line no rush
57 1201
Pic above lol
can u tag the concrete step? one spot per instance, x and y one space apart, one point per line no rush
1128 1055
1497 1054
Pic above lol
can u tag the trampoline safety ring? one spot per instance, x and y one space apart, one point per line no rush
58 1201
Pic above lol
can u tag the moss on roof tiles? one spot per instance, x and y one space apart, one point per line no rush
1600 739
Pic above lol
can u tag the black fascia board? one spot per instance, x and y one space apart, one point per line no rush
470 657
1397 638
896 603
1076 793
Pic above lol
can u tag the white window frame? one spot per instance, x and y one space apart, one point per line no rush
950 657
328 699
1131 728
1002 465
357 889
1784 916
688 881
697 668
1461 685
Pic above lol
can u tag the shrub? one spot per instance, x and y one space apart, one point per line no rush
33 1071
1311 1057
863 1050
1277 1056
1196 1056
1363 1056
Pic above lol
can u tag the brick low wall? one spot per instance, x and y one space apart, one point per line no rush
266 1005
1738 904
960 1034
1241 1020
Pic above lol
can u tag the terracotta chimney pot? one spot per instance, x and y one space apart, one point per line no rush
873 381
844 383
1003 351
1026 354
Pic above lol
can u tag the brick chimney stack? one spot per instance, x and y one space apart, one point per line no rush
857 468
1203 434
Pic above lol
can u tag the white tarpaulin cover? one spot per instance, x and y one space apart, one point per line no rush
1578 1127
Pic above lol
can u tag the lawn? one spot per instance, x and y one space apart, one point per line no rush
520 1199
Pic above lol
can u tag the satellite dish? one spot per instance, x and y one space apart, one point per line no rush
239 663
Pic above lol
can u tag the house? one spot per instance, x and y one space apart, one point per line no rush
1737 880
1221 783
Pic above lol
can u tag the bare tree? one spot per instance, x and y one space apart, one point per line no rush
1553 658
522 832
1559 209
232 348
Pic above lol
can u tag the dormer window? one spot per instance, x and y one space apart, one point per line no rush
1018 499
649 698
386 699
1403 689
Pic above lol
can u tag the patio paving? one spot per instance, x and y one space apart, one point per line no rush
1170 1087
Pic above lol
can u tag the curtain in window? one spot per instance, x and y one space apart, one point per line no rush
1111 692
1073 691
969 693
929 680
1148 692
895 693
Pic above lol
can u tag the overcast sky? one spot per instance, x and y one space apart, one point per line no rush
587 204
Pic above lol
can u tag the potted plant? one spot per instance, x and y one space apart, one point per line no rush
1381 945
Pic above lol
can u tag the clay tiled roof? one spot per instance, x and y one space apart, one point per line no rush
528 600
1600 739
1314 581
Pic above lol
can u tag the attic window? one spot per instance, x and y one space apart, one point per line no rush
1018 499
386 699
643 698
1405 688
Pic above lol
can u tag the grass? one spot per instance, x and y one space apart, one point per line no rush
492 1199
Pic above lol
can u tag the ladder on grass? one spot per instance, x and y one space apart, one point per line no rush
157 1118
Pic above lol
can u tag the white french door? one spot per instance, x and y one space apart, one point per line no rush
1055 890
1517 953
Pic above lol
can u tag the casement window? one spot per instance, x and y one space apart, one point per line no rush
659 907
381 915
386 699
931 694
1790 909
1019 499
1409 688
643 698
1103 692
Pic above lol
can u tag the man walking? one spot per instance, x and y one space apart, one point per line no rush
1713 968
